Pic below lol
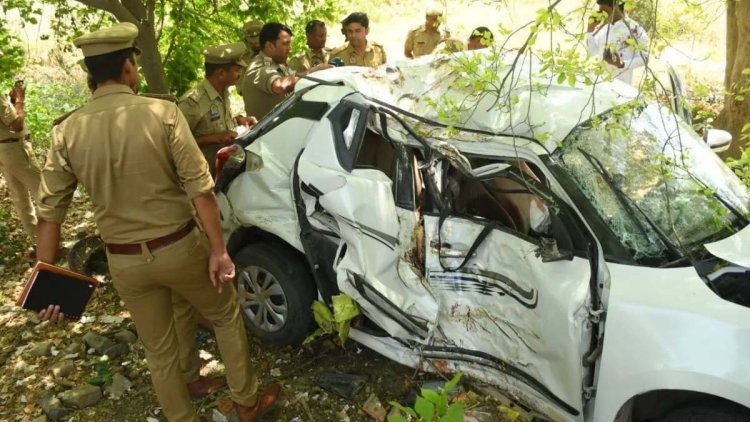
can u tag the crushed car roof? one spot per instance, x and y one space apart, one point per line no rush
531 104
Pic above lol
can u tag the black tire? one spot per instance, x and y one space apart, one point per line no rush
288 270
711 411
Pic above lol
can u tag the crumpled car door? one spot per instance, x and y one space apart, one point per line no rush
505 305
372 265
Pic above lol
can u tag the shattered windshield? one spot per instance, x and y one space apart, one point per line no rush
653 181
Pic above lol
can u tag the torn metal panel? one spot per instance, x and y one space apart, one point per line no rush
735 249
505 302
263 197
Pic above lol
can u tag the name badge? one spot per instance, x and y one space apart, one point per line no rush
213 112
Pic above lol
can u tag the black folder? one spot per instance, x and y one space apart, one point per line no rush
52 285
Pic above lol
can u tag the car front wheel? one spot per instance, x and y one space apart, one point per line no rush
276 292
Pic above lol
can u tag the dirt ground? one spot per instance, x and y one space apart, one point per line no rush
26 376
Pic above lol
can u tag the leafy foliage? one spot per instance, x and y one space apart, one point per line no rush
46 100
11 54
183 28
432 406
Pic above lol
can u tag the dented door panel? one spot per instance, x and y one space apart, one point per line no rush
506 303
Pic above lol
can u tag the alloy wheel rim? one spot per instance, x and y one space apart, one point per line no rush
262 299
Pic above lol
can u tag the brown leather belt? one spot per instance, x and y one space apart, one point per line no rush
9 140
154 244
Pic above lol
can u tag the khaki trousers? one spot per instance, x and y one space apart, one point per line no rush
151 284
21 174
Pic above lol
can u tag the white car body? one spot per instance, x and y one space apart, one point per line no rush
460 294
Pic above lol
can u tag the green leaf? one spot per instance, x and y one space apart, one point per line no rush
453 382
561 78
432 396
409 411
396 418
746 71
572 79
455 413
424 408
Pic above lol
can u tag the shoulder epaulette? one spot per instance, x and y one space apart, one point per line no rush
64 116
340 48
166 97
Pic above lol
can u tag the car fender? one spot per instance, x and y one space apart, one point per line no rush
666 330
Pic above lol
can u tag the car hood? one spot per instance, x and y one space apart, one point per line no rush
735 248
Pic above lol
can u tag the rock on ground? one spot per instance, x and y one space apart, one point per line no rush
119 386
126 337
43 348
81 397
97 342
62 369
52 406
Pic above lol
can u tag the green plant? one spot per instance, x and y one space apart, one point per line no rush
432 406
103 375
48 100
11 54
338 320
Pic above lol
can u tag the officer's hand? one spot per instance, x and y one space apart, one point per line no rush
614 59
226 137
247 121
322 66
52 314
220 269
593 23
18 93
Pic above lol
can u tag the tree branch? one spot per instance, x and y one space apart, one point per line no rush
114 7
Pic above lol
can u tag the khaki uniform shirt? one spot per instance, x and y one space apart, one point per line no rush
307 59
207 112
14 154
256 87
374 55
247 58
422 41
136 158
7 116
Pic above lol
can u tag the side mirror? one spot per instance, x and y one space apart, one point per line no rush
718 140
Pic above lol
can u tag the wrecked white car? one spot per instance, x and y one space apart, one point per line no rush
581 250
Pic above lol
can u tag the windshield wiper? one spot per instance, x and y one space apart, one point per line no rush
629 204
723 201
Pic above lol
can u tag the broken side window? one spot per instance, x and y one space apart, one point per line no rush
503 197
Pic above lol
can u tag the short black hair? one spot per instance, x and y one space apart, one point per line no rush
611 3
479 33
108 67
315 23
212 68
357 17
271 31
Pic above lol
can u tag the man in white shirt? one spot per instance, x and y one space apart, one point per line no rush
618 40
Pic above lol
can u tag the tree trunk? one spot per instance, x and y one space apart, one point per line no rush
142 16
153 67
736 112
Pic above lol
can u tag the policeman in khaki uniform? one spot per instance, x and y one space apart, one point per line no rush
145 176
316 52
17 163
423 39
251 31
268 79
358 51
206 106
